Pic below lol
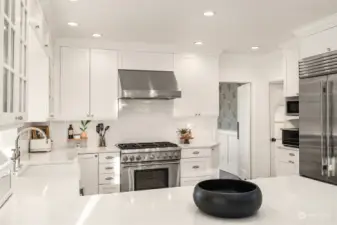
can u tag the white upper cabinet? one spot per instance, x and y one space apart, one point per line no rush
89 81
75 83
291 57
198 79
319 43
38 86
147 61
13 62
104 83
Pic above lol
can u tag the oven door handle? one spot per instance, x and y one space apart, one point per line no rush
149 164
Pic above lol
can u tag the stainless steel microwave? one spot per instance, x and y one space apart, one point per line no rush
292 106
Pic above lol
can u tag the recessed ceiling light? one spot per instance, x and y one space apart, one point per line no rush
73 24
209 13
73 0
198 43
97 35
255 48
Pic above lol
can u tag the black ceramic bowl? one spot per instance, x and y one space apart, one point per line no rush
228 198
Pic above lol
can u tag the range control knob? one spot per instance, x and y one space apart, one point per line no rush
165 156
176 155
138 157
132 158
171 156
152 156
125 158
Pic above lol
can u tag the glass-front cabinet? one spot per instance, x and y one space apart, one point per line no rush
13 74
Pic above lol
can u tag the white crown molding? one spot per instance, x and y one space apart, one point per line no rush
317 27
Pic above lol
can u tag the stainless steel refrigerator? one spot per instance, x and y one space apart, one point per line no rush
318 117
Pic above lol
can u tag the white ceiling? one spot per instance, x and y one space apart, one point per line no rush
238 24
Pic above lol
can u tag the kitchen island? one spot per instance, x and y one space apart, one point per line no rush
287 200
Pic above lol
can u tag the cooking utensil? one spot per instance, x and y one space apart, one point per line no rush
98 129
101 125
106 128
228 198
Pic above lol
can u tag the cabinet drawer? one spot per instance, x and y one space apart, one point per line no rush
195 167
287 156
109 158
108 189
108 179
192 181
108 169
195 153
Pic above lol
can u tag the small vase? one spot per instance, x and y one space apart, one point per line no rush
84 135
187 141
102 142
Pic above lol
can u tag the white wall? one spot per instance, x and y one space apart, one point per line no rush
258 70
141 121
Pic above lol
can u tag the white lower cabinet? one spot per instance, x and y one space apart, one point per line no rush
99 173
88 174
109 189
287 162
192 181
196 165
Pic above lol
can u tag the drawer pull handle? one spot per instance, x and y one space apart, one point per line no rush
109 157
196 153
109 178
291 162
195 167
109 168
291 154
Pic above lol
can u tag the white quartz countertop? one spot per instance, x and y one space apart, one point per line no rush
93 150
199 145
286 200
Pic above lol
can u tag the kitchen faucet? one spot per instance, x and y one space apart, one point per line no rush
16 155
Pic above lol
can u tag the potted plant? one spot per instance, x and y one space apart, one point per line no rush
84 127
185 135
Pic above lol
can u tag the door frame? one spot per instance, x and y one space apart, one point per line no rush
271 119
251 119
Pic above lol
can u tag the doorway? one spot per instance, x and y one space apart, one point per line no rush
234 130
276 120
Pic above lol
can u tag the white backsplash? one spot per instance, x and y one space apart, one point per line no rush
141 120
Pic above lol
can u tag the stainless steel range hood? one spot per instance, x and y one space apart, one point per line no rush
144 84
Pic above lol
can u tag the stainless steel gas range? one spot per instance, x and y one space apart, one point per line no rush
149 165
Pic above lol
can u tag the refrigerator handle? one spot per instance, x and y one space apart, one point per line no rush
330 150
323 126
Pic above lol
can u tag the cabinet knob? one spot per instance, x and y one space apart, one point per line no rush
291 162
291 154
195 167
196 153
109 178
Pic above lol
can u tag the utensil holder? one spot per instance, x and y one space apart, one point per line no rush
101 142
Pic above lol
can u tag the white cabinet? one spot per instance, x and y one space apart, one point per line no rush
75 78
89 81
287 162
13 63
147 61
38 86
89 173
196 165
104 83
198 80
319 43
291 57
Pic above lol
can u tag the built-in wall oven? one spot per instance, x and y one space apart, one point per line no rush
149 166
290 137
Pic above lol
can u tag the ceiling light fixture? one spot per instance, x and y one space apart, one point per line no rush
198 43
209 13
73 0
97 35
73 24
254 48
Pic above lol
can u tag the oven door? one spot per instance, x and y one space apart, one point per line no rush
154 175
